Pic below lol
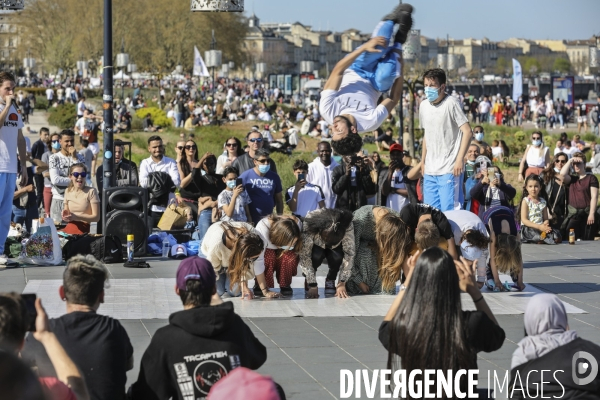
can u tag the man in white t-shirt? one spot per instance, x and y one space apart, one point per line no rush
303 197
397 195
349 98
12 143
445 143
49 96
81 107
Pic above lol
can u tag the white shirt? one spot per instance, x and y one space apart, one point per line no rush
558 150
571 151
356 97
266 134
80 124
49 94
497 151
9 132
309 198
442 124
80 107
167 165
396 201
262 228
320 175
462 221
264 116
484 107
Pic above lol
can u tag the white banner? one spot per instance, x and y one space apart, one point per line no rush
517 80
199 66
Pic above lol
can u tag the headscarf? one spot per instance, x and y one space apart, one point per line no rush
546 326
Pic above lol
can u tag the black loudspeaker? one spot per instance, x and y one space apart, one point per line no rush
125 212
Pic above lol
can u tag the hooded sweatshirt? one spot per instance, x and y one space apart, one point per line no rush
320 175
198 347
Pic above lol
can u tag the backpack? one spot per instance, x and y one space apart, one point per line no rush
107 248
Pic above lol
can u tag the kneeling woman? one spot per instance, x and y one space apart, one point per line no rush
235 251
81 205
327 234
505 248
283 241
382 242
426 325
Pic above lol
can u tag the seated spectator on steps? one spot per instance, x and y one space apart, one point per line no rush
97 344
303 197
81 205
327 234
24 207
583 199
549 341
201 344
67 383
431 309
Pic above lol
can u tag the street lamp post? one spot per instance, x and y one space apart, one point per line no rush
213 60
107 98
122 62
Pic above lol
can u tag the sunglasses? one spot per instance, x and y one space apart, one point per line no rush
560 161
55 141
257 140
79 174
231 144
537 138
191 147
263 161
179 148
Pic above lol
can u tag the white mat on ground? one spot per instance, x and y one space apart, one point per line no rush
156 298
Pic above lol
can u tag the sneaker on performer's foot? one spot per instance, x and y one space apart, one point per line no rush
3 259
286 291
329 286
397 14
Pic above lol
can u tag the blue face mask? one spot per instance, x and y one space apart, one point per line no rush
479 136
264 168
231 184
56 145
287 247
432 94
536 142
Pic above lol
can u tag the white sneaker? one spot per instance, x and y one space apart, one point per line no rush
3 260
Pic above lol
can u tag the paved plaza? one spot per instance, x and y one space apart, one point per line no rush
309 341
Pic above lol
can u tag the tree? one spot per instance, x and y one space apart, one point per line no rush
562 65
158 34
501 66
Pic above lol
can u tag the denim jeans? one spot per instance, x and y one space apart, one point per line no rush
7 182
24 216
204 222
179 120
223 284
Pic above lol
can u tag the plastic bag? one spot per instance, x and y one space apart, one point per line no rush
155 241
43 248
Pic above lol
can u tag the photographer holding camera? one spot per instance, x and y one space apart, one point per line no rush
352 183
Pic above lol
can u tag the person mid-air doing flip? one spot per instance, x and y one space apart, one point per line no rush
349 98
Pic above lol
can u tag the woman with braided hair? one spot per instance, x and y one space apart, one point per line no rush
327 234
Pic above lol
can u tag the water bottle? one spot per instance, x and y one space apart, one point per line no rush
130 248
572 236
166 247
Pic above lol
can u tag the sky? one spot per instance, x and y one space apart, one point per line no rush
496 20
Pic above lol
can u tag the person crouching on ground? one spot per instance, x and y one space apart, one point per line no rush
283 241
327 234
201 344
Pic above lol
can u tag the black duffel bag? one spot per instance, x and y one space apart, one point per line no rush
107 248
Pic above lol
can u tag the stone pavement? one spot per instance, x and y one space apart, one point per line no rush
305 354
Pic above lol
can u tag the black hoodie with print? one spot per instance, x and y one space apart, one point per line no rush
198 347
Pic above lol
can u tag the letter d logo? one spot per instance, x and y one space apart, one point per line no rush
584 367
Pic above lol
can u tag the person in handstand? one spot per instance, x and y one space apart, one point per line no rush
349 100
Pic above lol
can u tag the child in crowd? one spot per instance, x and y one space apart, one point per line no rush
303 197
534 214
474 249
233 201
